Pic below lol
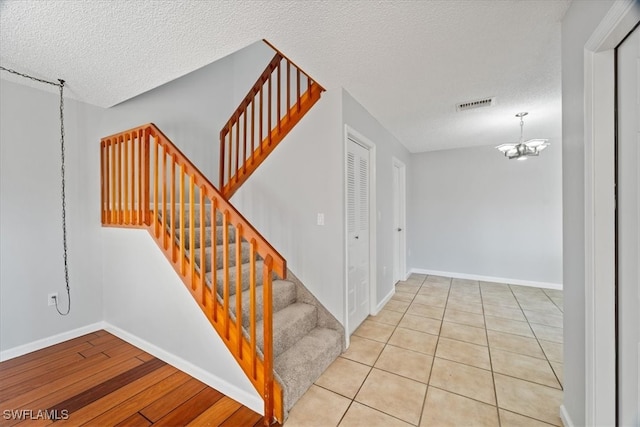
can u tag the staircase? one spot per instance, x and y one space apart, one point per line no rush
302 349
281 337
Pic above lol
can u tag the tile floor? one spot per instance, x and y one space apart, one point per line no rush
447 352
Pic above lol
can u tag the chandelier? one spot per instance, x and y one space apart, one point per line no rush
523 149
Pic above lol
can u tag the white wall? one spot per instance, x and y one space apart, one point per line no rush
192 109
578 24
144 297
302 177
387 146
30 215
475 212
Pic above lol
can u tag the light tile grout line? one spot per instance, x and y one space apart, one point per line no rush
493 376
435 350
538 340
376 361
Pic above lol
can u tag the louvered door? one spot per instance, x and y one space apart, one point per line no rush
358 260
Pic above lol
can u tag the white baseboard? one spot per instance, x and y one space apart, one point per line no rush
564 417
546 285
49 341
228 389
384 301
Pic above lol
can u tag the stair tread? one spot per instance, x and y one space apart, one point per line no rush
291 313
284 294
289 325
303 363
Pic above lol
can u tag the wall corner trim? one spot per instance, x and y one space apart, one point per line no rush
384 301
520 282
254 403
49 341
564 416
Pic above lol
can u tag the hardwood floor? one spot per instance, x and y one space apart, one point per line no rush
101 380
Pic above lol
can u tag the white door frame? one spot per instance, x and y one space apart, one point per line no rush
350 133
599 123
402 221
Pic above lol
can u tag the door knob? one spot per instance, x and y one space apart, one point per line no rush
357 237
399 229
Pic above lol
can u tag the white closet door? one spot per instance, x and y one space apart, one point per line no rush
358 260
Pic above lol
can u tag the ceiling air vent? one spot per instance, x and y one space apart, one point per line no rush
486 102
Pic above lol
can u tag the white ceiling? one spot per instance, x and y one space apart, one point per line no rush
407 62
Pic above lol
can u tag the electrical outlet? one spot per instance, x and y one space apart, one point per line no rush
51 298
320 219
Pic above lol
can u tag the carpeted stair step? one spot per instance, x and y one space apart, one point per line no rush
196 215
289 326
284 294
232 277
303 363
219 256
207 236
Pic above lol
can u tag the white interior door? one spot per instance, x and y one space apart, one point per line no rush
628 211
358 260
399 233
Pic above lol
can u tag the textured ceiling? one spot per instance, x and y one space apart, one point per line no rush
407 62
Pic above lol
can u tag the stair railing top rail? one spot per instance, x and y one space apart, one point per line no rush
262 246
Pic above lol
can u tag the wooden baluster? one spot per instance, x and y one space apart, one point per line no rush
244 142
214 259
119 177
252 307
156 228
261 119
225 272
230 152
279 117
253 125
103 197
140 175
288 90
172 205
203 259
192 231
298 88
309 82
267 305
125 185
239 289
112 178
163 209
147 177
132 179
222 154
269 126
181 213
237 168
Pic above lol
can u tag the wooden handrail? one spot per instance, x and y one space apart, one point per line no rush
265 124
137 191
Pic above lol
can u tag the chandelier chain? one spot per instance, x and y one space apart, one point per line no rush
60 85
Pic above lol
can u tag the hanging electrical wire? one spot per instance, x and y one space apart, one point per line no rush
60 85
